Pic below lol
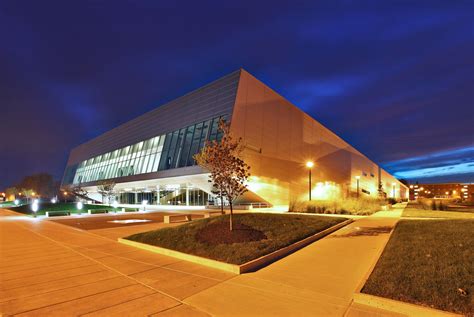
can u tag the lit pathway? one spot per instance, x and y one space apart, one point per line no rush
51 269
54 270
318 280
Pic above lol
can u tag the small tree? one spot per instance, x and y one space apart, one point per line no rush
229 172
106 189
209 159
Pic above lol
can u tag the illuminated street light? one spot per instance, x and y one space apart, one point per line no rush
309 165
358 180
17 202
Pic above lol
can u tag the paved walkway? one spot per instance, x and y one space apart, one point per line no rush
51 269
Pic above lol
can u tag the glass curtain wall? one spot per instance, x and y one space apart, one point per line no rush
173 150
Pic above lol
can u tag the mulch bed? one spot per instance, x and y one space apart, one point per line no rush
219 233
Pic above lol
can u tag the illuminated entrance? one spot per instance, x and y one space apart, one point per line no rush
178 195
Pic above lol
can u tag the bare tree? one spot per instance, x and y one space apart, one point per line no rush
106 189
229 172
76 190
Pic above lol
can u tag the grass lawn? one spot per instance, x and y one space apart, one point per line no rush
430 263
422 213
7 204
279 230
71 207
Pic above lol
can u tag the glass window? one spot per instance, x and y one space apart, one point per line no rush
175 149
188 140
195 145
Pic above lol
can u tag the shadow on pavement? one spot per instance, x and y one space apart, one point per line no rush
365 231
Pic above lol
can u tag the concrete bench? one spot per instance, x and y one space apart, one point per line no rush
168 218
57 213
208 214
97 211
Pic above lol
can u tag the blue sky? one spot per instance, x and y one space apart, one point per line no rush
393 78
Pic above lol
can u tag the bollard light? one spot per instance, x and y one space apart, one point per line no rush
35 206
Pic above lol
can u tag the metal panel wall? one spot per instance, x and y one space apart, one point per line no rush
214 99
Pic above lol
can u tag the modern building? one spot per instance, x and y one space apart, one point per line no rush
463 191
151 157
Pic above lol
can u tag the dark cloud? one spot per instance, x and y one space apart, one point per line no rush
394 79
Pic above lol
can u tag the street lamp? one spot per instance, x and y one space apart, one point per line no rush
309 165
358 180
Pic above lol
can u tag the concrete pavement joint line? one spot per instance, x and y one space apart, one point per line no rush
156 265
38 308
127 301
281 284
26 276
57 290
58 279
32 270
39 262
110 268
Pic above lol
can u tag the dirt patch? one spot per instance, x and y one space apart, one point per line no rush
219 233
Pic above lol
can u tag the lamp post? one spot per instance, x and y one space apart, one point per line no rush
309 165
358 180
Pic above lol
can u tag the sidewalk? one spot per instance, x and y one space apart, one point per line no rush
318 280
52 269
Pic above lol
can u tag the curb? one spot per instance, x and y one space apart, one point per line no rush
250 266
400 307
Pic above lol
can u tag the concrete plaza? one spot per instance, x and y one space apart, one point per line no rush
49 268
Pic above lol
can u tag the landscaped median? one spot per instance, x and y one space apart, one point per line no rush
256 241
427 263
64 207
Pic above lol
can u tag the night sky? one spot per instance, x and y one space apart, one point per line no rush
395 80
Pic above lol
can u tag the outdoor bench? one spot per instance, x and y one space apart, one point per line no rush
97 211
208 214
57 213
168 218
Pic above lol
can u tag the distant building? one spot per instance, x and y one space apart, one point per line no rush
151 157
464 191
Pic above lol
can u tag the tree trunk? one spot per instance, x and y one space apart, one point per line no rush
231 214
222 203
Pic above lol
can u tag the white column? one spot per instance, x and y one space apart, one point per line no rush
187 196
158 193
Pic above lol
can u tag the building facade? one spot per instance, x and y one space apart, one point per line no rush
463 191
151 157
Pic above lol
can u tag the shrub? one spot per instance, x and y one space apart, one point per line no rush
391 201
349 206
